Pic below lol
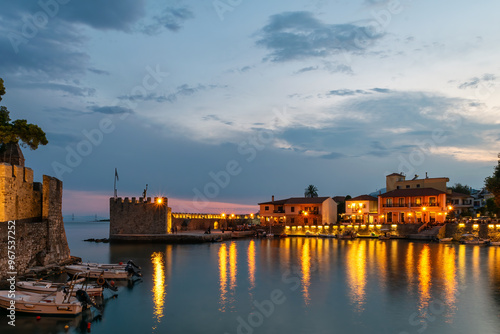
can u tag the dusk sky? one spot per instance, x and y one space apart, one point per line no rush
220 104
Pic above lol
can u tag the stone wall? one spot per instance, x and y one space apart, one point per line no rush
136 216
486 231
40 238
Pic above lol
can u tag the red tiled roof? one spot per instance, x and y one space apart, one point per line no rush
395 174
364 198
298 200
412 192
339 199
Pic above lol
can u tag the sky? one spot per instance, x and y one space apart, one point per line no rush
218 105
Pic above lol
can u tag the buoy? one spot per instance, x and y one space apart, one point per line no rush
120 263
38 317
66 327
112 283
88 326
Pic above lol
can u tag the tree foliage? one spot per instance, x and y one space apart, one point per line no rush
462 189
311 191
20 130
492 183
491 207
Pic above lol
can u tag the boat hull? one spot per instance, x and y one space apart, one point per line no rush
28 302
95 272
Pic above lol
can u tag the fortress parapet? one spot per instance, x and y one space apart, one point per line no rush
139 216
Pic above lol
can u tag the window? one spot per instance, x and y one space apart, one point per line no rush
389 201
315 221
402 217
266 208
292 220
418 185
401 201
432 200
305 221
292 209
389 217
398 187
418 201
407 186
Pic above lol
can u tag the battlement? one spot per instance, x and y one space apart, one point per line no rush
20 173
139 216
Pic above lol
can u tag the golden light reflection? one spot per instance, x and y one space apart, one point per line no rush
410 265
305 261
232 265
223 276
424 277
158 285
356 274
449 274
251 263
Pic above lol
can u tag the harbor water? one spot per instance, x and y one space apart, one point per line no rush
289 285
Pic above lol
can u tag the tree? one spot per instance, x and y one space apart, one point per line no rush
462 189
311 191
491 207
492 183
30 135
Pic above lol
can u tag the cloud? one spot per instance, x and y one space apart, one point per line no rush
474 82
299 35
217 119
350 92
333 156
172 18
71 89
182 90
98 71
307 69
111 110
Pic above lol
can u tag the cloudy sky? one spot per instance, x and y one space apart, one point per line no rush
220 104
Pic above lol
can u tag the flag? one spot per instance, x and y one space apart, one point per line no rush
116 175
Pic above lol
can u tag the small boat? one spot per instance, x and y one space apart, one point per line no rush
270 235
494 243
327 235
347 235
105 271
385 236
473 239
283 235
445 240
57 303
43 287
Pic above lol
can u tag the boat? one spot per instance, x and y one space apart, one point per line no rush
445 240
58 303
283 235
385 236
42 287
473 239
494 243
347 235
270 235
105 271
327 235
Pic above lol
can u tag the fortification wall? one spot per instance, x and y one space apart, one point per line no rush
136 216
35 209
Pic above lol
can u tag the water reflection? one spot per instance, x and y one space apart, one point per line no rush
251 264
450 282
356 274
424 278
233 269
305 261
223 276
158 285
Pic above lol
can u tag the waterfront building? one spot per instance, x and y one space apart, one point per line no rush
362 209
460 203
299 211
413 201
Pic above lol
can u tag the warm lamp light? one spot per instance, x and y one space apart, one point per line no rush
159 200
424 208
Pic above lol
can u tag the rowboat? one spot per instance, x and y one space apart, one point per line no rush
104 271
445 240
57 303
43 287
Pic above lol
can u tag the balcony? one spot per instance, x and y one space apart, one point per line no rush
279 211
413 205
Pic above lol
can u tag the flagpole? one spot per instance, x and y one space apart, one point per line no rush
116 174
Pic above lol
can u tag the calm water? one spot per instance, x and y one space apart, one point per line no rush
293 285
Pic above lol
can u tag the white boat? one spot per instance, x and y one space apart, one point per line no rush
445 240
494 243
104 271
473 239
44 287
30 302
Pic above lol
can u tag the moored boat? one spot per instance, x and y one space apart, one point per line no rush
43 287
57 303
105 271
445 240
494 243
473 239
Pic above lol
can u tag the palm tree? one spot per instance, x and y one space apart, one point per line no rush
311 191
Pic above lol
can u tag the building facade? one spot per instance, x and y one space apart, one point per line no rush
299 211
413 201
362 209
